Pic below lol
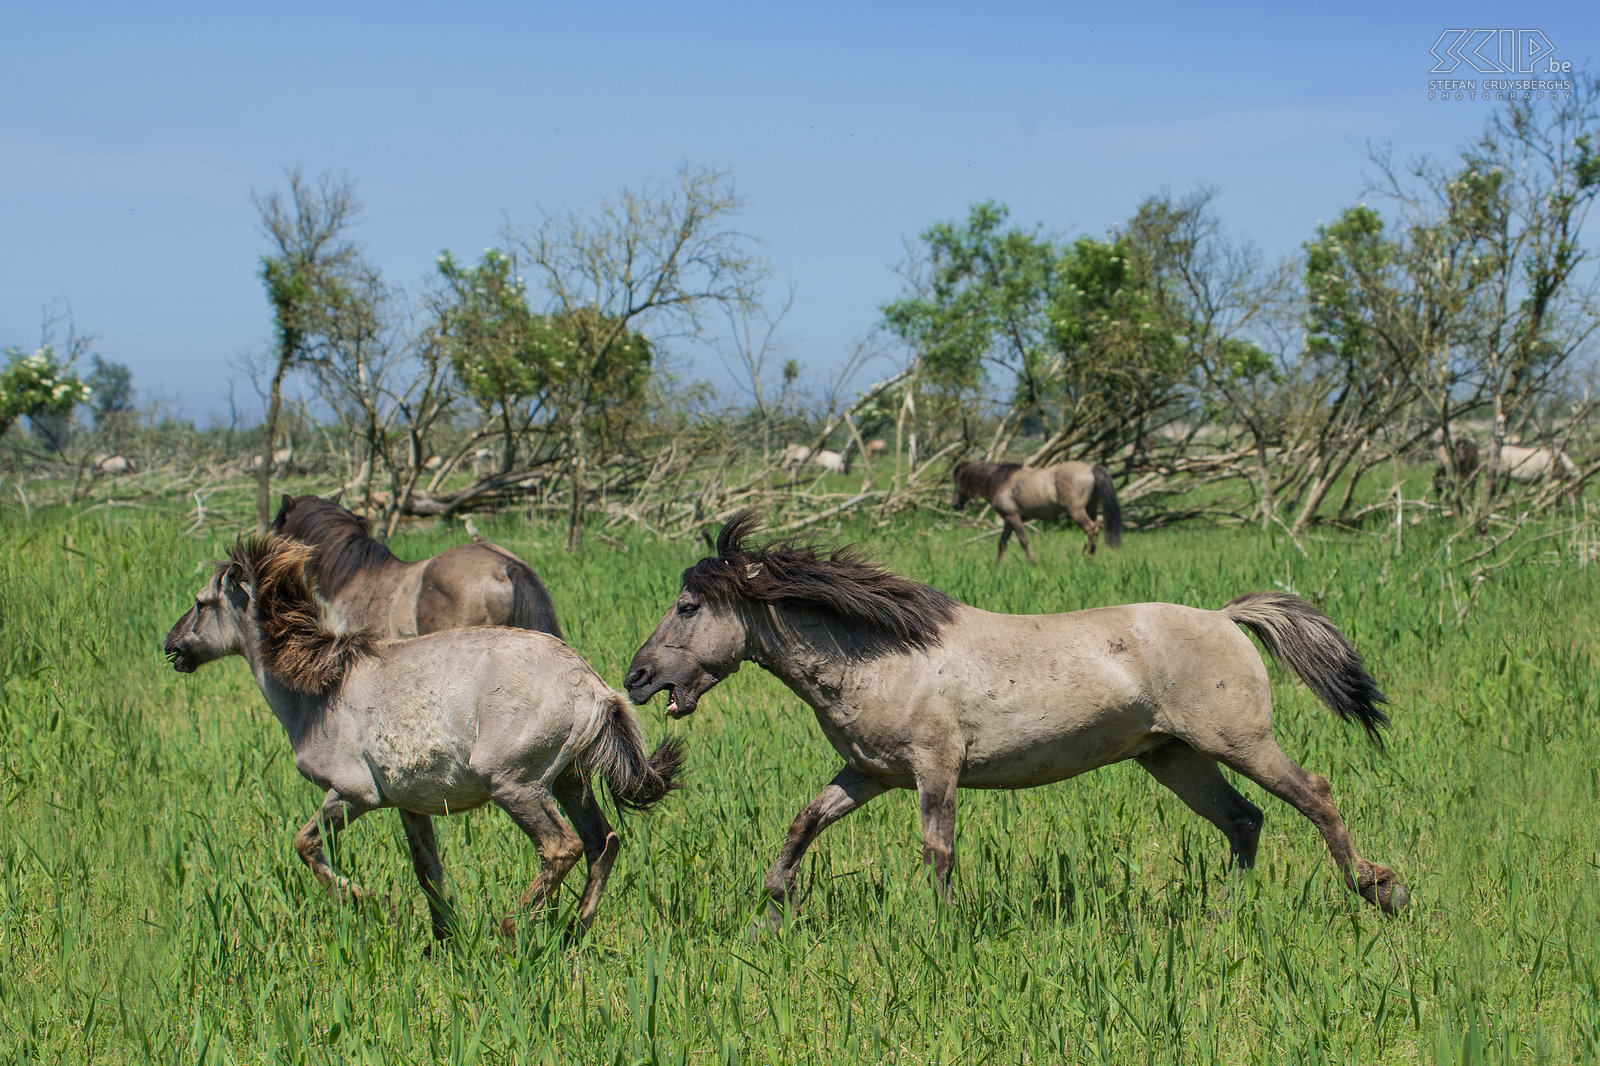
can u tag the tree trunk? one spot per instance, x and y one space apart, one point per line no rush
270 431
580 449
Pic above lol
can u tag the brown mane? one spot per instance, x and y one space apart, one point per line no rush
306 648
893 612
345 546
980 479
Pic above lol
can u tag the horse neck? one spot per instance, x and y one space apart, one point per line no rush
374 558
799 649
295 711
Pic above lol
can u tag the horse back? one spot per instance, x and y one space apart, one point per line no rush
480 585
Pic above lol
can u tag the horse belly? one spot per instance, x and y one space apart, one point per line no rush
1029 749
1035 497
420 757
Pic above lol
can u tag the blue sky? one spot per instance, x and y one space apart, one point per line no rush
130 141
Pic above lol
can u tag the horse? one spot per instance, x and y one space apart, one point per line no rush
831 461
112 466
918 691
1532 465
825 458
1018 492
1447 474
478 584
437 724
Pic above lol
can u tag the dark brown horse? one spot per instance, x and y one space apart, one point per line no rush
1018 493
477 584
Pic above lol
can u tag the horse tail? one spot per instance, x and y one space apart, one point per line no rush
1108 499
530 602
637 779
1304 639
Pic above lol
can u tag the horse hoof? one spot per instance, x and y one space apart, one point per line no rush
1394 900
764 926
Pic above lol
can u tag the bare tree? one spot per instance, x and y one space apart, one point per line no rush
653 262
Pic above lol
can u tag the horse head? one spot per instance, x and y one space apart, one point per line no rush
214 627
697 643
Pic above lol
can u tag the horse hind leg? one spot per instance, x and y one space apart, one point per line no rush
424 848
600 844
1197 780
1311 795
559 848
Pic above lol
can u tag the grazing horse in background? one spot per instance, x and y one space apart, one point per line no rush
1532 465
917 691
1018 493
825 458
433 725
468 585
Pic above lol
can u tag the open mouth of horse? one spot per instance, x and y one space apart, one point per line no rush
180 662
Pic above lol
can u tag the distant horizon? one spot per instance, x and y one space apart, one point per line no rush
133 140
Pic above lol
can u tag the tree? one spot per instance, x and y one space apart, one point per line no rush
111 394
308 276
37 385
650 263
1075 335
523 367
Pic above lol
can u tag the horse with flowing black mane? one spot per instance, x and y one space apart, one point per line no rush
437 724
477 584
916 690
1018 493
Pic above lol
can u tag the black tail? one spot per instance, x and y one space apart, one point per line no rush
1108 499
1303 638
617 753
530 602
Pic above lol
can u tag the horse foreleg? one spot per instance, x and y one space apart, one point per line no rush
536 814
848 790
331 818
937 797
600 844
1013 524
424 847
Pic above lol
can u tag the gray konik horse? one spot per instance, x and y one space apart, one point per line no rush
917 691
478 584
437 724
1018 493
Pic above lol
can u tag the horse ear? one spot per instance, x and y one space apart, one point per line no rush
283 513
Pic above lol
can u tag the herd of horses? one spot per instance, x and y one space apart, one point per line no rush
438 686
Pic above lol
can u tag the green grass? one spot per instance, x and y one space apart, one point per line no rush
152 908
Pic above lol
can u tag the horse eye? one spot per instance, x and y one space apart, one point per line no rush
687 609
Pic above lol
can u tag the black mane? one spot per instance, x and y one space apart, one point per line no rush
893 612
345 547
979 479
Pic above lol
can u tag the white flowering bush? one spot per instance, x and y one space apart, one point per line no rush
36 384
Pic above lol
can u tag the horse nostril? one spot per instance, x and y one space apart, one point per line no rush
637 676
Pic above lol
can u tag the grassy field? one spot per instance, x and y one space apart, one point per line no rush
152 908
